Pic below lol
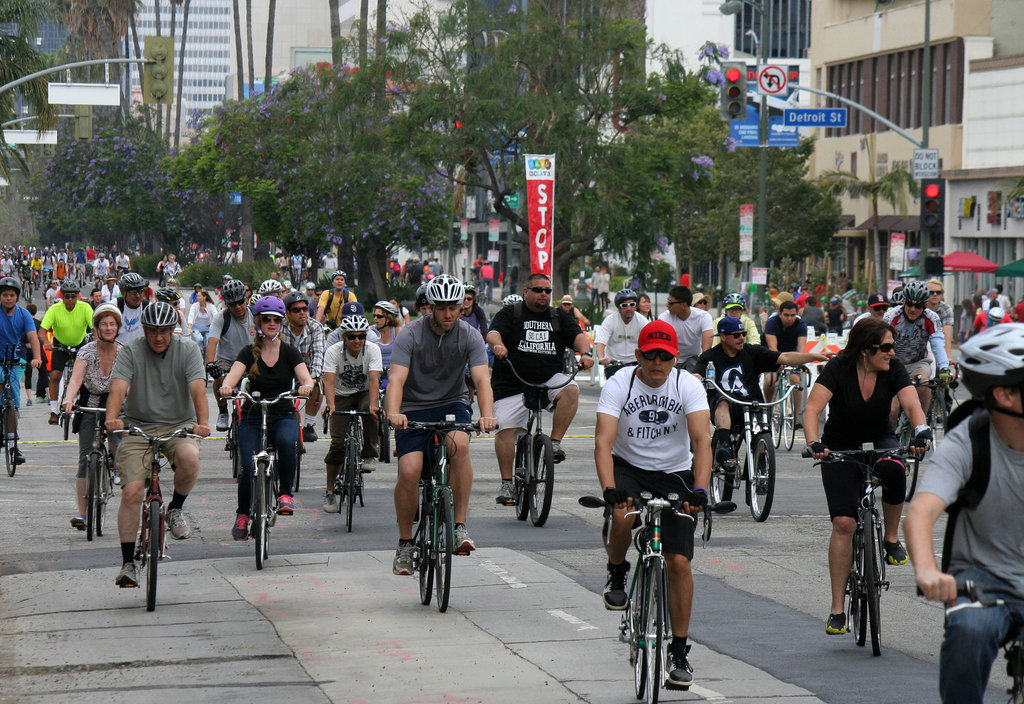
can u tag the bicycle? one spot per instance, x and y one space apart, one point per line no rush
985 596
943 399
348 484
65 378
153 527
265 481
867 581
646 624
533 476
383 426
759 467
8 411
99 470
905 431
434 539
784 416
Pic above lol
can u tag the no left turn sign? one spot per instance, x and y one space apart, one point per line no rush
771 80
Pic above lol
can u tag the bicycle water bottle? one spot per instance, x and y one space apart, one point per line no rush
709 373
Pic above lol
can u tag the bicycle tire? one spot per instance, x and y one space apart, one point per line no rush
92 479
8 453
258 515
913 469
521 478
873 584
106 491
937 413
776 418
424 546
542 480
236 460
298 462
637 655
654 630
789 423
154 549
444 547
858 598
384 441
351 488
761 478
722 477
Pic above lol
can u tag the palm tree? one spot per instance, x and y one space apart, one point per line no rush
335 31
181 72
239 58
248 39
269 66
364 18
18 58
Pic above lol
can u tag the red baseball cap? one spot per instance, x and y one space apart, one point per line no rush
658 335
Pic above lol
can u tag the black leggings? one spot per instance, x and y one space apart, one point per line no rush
844 482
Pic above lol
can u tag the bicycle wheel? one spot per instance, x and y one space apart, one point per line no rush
351 484
855 586
298 463
258 517
937 412
236 460
425 558
654 629
873 583
444 528
788 422
913 467
542 483
520 478
776 418
8 450
637 654
106 490
761 478
722 477
384 441
155 548
92 493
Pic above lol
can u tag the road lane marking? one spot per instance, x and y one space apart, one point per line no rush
574 620
504 575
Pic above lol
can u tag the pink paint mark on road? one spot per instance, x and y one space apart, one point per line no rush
307 654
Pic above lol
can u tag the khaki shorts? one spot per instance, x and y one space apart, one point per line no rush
922 369
133 458
511 412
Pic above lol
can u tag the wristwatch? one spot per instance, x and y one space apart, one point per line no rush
586 354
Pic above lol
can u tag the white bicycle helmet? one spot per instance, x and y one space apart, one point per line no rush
270 287
994 357
354 323
159 315
254 299
511 299
996 314
445 290
233 291
387 306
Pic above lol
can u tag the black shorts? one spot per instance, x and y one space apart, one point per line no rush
735 411
676 532
59 359
844 482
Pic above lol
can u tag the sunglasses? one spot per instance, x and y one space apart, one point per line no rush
935 293
303 309
539 289
354 336
378 316
236 303
673 303
913 305
631 304
736 334
660 355
886 348
269 319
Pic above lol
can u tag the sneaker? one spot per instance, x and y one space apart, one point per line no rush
222 421
895 553
723 455
128 576
28 401
836 624
615 598
403 560
78 522
309 434
17 457
40 399
117 478
178 524
285 506
330 502
557 452
367 465
463 543
240 531
506 493
680 674
53 418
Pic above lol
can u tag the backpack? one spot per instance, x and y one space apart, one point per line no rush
333 322
971 493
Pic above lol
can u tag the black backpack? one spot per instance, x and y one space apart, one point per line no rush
971 493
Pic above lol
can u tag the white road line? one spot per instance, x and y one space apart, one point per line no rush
574 620
708 694
504 575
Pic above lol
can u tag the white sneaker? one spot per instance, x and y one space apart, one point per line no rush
222 422
368 465
330 502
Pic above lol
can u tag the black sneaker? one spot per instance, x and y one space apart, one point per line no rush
895 553
17 457
836 624
558 454
723 456
309 434
615 598
680 674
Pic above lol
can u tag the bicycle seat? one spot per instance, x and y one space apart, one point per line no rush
535 399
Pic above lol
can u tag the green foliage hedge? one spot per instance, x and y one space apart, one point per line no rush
211 275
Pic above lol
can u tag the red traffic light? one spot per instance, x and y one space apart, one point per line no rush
932 190
732 75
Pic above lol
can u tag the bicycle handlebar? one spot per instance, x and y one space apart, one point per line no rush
352 412
579 367
672 501
255 397
862 456
444 426
758 404
136 431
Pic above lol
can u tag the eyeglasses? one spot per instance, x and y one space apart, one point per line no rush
673 303
913 305
378 316
269 319
355 336
935 293
660 355
886 347
630 304
303 309
741 333
539 289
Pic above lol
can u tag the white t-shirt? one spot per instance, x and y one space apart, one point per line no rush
352 373
618 338
130 325
653 433
690 331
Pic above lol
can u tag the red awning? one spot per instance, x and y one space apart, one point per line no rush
968 261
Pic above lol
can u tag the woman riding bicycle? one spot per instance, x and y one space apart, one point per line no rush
92 369
271 367
386 323
859 386
200 316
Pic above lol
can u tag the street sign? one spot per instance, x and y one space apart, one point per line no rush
815 117
493 255
925 164
746 233
30 136
759 275
897 246
84 94
512 200
747 133
464 230
492 230
771 80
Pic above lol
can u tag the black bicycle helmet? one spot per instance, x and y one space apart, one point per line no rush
69 286
293 297
421 296
130 281
159 315
10 282
233 291
625 295
168 294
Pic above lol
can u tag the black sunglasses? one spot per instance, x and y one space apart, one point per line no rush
540 289
378 316
660 355
354 336
741 333
299 309
885 347
269 319
913 305
236 303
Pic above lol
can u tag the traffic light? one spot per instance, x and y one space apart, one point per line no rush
733 100
933 205
83 122
158 74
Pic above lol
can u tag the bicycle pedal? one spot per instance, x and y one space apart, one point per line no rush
461 552
677 687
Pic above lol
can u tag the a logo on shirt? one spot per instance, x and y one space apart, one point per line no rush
732 381
655 422
537 338
353 377
657 417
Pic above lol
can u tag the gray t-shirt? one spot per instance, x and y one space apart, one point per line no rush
159 392
437 364
989 535
239 335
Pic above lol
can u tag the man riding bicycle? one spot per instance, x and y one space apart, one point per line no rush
427 384
131 305
159 381
329 307
615 338
534 337
917 327
69 323
652 435
986 544
16 323
231 331
307 336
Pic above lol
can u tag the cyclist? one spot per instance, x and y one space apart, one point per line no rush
738 367
159 382
91 375
200 315
50 294
16 323
867 367
652 435
26 277
427 383
735 306
877 305
307 336
111 291
271 287
123 264
387 323
936 290
986 545
784 332
69 324
231 330
473 314
693 326
37 269
170 295
836 315
131 305
100 268
534 337
615 338
990 318
917 327
421 304
172 270
352 370
329 307
272 366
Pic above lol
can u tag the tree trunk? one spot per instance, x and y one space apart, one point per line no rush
239 57
156 27
269 66
248 44
364 14
335 32
371 274
181 72
247 248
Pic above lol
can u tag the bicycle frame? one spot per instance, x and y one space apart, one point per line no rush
99 488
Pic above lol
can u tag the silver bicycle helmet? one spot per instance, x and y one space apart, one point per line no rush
387 306
233 291
254 299
270 286
131 281
10 282
159 315
354 323
69 286
994 357
511 299
996 314
445 290
915 292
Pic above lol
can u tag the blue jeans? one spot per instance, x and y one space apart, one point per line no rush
16 372
283 433
972 641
